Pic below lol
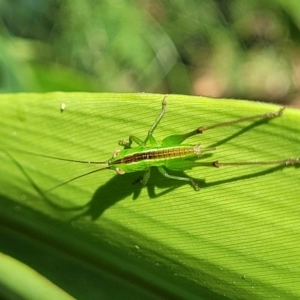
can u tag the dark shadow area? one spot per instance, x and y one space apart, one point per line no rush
122 187
54 258
82 265
100 202
243 177
40 192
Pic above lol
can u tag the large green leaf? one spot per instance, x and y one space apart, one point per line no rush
238 237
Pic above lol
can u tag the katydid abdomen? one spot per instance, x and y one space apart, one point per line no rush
142 158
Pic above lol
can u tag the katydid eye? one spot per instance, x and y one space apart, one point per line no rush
116 153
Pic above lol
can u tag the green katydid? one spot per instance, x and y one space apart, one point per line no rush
170 154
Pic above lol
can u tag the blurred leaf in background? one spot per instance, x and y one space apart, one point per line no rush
244 49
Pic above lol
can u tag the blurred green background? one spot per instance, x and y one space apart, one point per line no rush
238 49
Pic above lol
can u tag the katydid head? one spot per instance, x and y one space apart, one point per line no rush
111 162
116 153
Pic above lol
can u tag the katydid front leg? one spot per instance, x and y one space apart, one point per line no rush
132 138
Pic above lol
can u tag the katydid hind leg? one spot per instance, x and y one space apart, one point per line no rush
283 162
266 116
178 139
164 172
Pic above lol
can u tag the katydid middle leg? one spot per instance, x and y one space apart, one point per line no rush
164 172
143 179
150 132
152 128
